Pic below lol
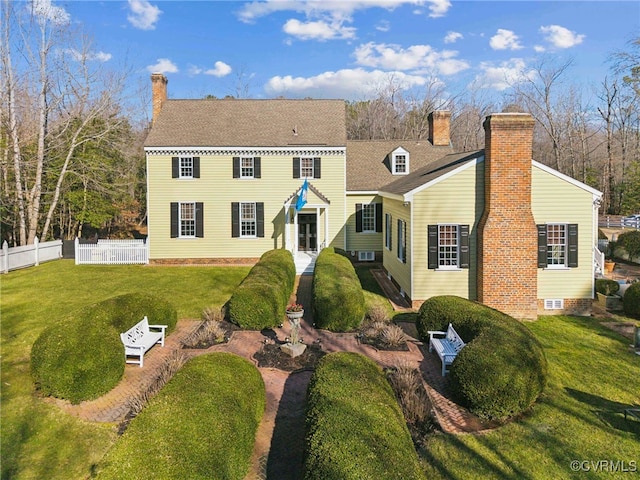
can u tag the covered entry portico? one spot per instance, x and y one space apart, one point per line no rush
307 229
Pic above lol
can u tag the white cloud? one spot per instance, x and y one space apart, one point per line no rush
143 15
45 10
164 65
393 57
319 30
348 83
503 75
383 26
220 69
439 8
505 40
561 37
194 70
539 48
79 56
453 37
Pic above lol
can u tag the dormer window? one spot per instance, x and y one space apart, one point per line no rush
400 161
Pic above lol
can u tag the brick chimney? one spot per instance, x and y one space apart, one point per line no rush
158 93
439 123
507 233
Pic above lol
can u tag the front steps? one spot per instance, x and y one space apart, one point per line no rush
305 262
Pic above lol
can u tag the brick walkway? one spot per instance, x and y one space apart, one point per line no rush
113 406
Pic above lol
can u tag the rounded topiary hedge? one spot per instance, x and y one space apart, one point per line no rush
82 357
338 298
502 369
631 300
260 301
606 286
355 427
201 425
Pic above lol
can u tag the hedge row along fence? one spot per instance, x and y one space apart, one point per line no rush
260 301
201 425
502 369
337 294
82 357
355 428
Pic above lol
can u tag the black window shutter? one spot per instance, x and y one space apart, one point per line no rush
257 167
404 242
199 219
174 219
542 245
175 167
316 167
235 219
236 167
196 167
399 246
260 219
432 246
378 217
358 217
572 255
464 246
296 167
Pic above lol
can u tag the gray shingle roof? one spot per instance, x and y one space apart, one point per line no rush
245 123
430 172
368 161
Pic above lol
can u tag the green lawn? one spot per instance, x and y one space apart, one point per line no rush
38 440
592 377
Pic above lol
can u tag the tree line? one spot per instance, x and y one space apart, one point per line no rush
72 163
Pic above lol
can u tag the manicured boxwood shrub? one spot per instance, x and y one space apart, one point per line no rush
261 299
338 299
201 425
502 369
355 428
631 300
630 242
606 286
82 357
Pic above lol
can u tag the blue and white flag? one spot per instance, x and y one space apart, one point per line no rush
302 196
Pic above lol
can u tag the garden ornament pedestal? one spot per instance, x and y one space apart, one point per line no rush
293 347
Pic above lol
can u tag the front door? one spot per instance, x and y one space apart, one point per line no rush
307 232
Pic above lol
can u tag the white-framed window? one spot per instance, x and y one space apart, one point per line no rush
248 219
400 162
388 229
448 246
247 167
402 241
556 245
369 217
306 167
186 167
366 256
187 220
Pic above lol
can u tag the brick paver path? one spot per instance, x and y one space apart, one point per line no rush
281 414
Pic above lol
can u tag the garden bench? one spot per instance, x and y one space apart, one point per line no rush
447 348
140 338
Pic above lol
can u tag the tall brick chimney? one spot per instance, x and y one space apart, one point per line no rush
507 233
439 123
158 93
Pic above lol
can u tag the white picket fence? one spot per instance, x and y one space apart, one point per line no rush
29 255
112 252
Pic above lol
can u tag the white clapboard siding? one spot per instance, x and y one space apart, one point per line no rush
112 252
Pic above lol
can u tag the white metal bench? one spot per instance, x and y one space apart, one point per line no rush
447 348
140 338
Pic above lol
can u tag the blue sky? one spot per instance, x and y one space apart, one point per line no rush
350 48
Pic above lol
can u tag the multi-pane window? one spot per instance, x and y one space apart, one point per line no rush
246 167
400 164
388 229
448 246
187 219
247 219
556 244
306 168
402 241
186 167
369 217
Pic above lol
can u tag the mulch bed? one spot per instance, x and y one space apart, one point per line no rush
271 356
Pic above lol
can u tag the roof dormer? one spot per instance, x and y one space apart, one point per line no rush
400 161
